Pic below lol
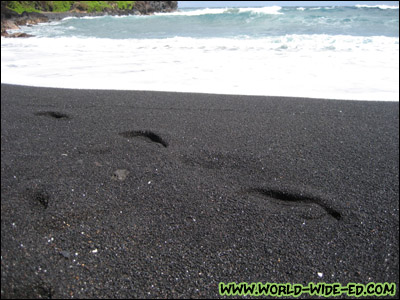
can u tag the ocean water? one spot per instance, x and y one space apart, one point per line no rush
325 52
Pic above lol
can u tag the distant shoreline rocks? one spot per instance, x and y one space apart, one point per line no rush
11 20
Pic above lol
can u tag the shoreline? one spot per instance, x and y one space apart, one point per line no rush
202 93
11 20
59 16
161 194
15 21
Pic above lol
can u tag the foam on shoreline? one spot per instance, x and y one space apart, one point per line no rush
319 66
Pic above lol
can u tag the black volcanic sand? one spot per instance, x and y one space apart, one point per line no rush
152 194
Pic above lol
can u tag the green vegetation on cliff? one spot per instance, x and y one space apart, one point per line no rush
21 6
64 6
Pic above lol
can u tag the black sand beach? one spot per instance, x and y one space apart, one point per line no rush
163 195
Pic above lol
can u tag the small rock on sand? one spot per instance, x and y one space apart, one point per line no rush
120 174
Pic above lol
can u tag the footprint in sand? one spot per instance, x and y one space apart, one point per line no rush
292 199
147 135
53 114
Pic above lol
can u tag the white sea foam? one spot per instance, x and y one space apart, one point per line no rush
270 10
68 18
377 6
324 66
92 17
197 12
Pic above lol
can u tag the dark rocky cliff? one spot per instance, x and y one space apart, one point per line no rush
147 7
